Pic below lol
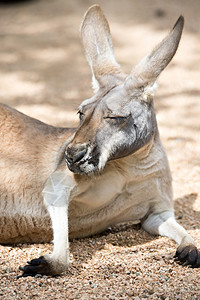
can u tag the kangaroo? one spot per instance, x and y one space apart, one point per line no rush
112 168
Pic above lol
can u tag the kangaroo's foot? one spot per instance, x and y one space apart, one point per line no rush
44 265
188 255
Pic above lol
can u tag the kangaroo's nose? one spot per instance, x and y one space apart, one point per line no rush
74 155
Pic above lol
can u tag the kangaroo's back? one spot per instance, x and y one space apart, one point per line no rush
29 150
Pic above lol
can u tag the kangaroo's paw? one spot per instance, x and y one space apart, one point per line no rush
188 255
44 265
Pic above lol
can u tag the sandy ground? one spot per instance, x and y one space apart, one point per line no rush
43 73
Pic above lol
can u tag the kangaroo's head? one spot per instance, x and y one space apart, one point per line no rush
119 119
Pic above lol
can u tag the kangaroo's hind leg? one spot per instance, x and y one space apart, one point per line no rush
164 224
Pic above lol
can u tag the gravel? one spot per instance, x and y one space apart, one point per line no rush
121 264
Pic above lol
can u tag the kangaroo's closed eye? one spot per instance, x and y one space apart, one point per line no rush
122 118
116 119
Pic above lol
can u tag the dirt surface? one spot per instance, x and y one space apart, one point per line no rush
43 73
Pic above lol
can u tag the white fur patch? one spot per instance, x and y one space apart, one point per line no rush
149 91
107 150
56 195
87 168
59 218
57 188
95 84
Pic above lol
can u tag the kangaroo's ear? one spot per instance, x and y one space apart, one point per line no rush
97 43
146 72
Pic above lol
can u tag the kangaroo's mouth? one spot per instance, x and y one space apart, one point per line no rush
84 162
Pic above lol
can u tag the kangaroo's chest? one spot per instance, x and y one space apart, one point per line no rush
114 194
100 191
